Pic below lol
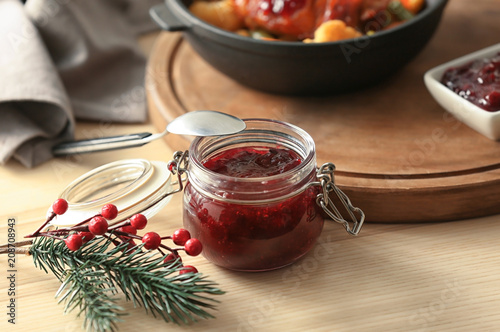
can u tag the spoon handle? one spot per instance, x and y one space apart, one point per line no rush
101 144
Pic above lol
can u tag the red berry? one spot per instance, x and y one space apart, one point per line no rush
98 225
74 242
180 236
109 211
128 229
193 247
188 269
151 240
171 258
139 221
86 236
60 206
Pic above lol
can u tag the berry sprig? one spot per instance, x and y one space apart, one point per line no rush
98 257
120 232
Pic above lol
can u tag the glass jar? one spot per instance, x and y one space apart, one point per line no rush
254 223
256 219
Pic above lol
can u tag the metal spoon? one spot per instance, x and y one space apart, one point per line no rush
195 123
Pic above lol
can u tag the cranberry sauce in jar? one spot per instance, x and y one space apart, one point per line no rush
249 197
477 81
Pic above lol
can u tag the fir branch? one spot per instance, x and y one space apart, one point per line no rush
49 254
89 291
141 275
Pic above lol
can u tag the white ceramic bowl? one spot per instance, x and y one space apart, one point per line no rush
484 122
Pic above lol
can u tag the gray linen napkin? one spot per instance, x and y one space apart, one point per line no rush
67 59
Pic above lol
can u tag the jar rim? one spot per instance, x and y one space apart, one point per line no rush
308 157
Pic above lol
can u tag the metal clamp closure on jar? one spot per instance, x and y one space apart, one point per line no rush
326 180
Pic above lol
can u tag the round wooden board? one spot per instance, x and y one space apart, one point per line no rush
399 156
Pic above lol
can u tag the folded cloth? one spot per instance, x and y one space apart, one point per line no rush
67 59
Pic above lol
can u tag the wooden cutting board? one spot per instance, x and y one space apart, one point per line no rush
399 156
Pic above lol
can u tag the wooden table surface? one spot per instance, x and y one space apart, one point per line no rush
393 277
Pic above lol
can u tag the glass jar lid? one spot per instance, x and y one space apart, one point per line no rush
132 185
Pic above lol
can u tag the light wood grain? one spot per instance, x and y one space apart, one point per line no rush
413 277
399 155
393 277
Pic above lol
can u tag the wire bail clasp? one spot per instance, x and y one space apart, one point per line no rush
179 166
327 182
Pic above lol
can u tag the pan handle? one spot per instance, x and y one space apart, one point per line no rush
167 20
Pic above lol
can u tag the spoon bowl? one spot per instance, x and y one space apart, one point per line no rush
205 123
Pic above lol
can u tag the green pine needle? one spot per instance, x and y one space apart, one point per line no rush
92 274
89 290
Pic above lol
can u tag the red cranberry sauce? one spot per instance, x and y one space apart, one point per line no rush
253 162
477 81
253 237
